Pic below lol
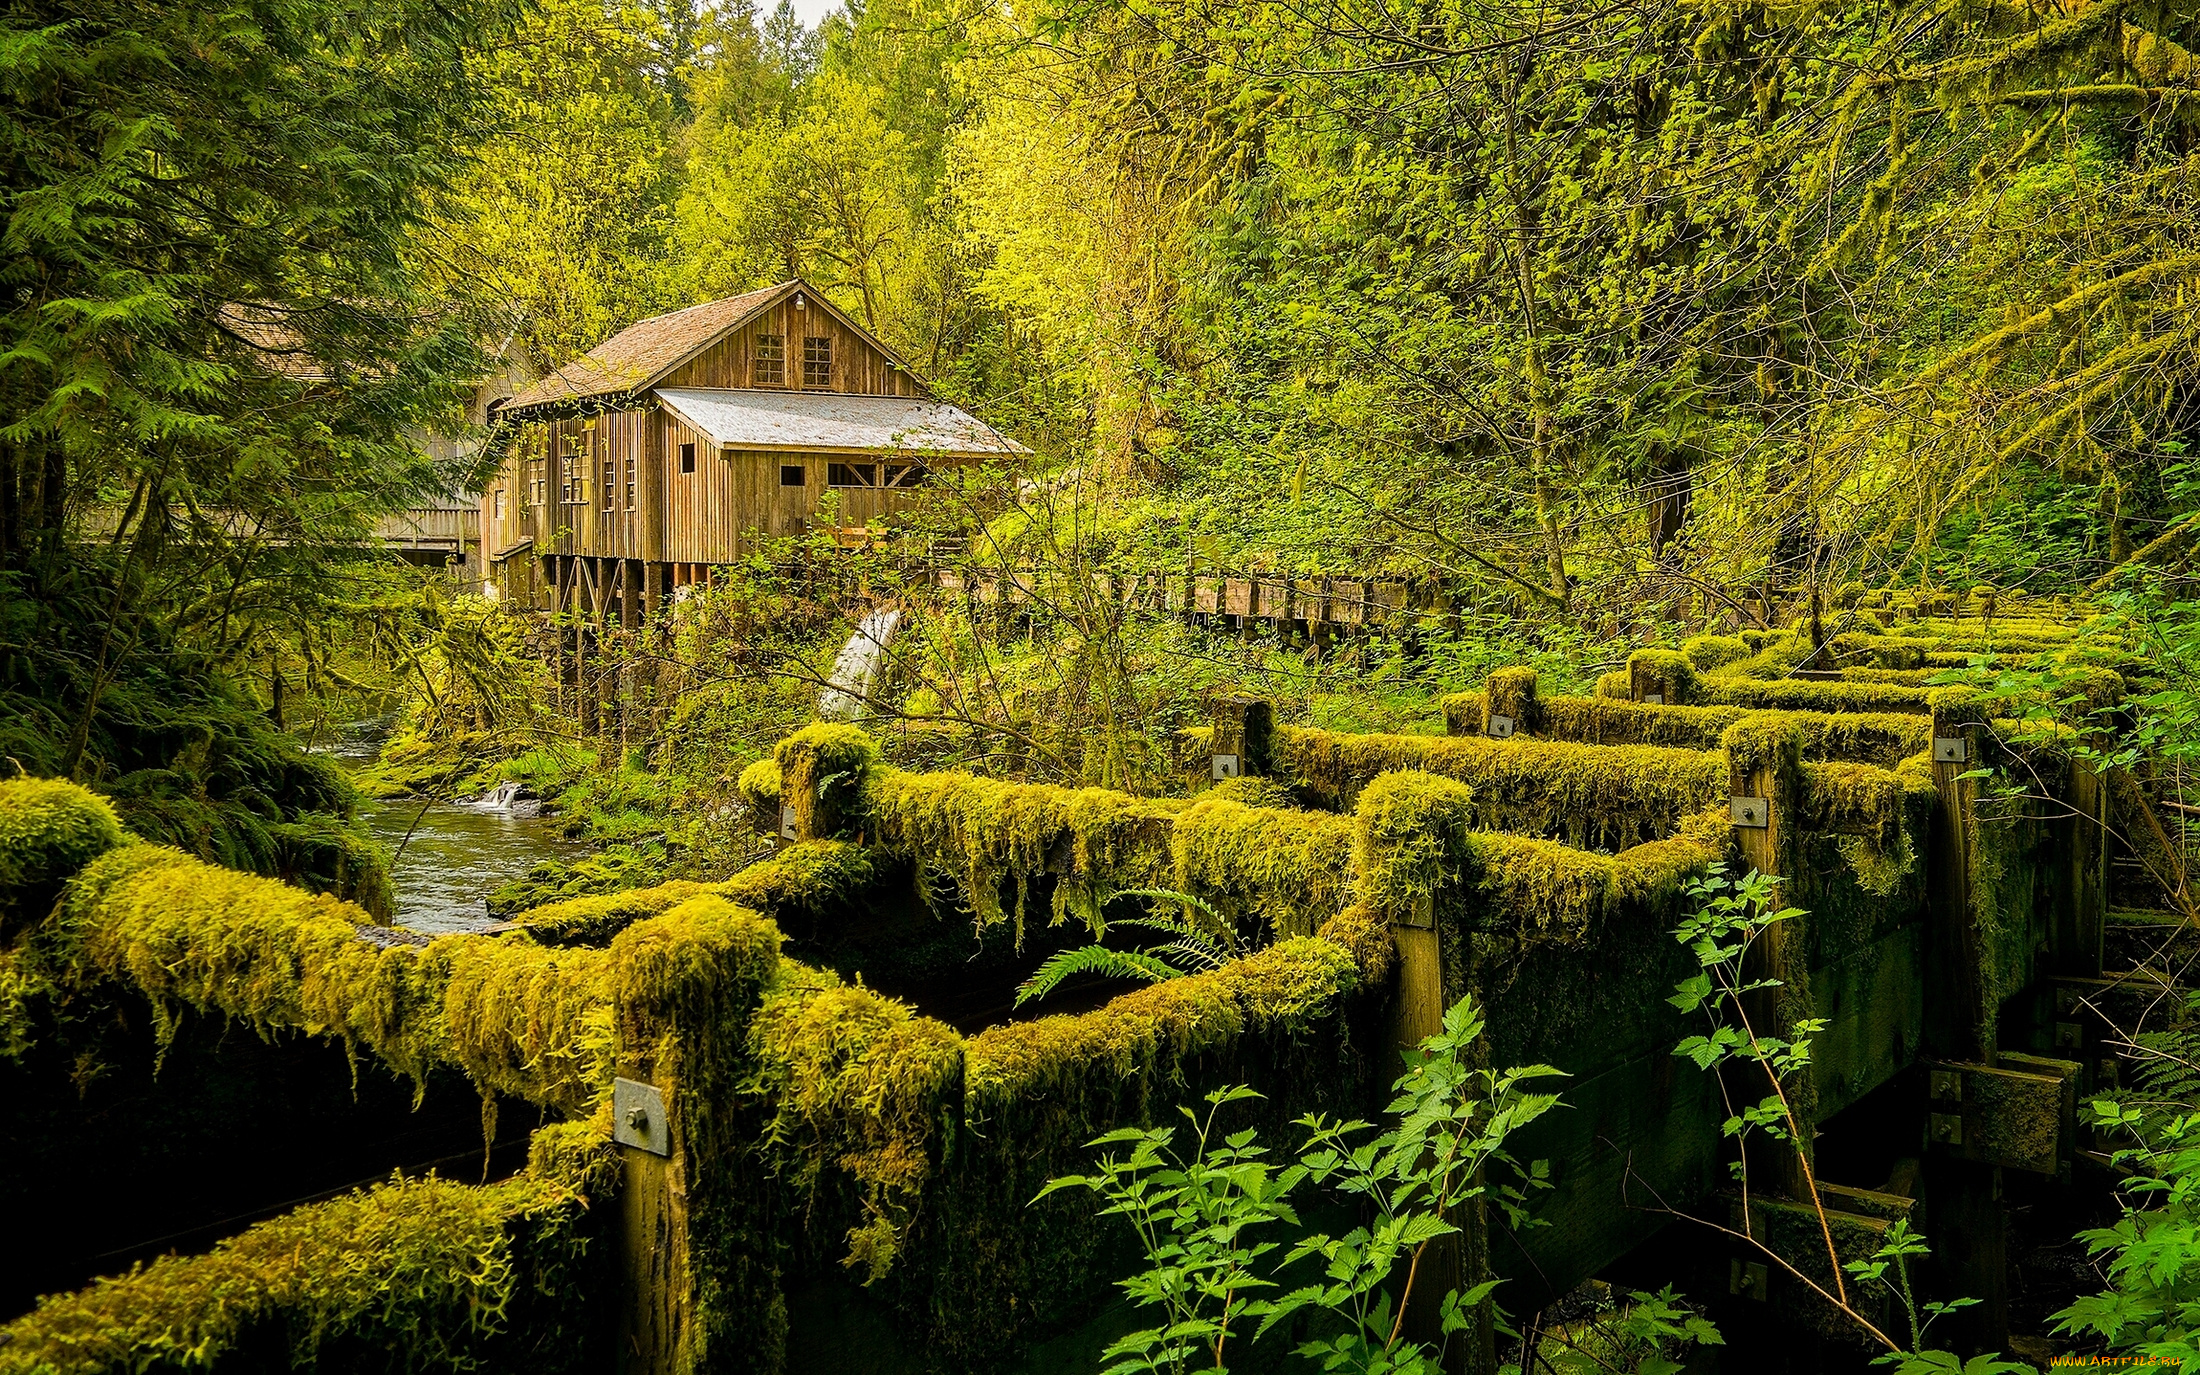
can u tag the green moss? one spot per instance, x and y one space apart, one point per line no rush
1707 652
1289 869
861 1082
822 772
579 1156
1880 738
990 834
1590 795
759 787
1877 816
1617 684
1795 694
1512 692
810 875
49 829
1151 1031
1251 792
1670 667
594 920
417 1274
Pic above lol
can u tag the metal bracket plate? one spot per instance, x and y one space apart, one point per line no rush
638 1117
1223 766
1499 728
786 823
1951 749
1653 699
1750 811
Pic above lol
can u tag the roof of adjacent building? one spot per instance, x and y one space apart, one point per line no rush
646 350
744 419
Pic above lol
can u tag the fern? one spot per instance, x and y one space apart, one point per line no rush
1193 951
1092 959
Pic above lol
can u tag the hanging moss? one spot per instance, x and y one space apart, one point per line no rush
49 829
1668 666
989 835
1617 684
1289 869
861 1082
759 787
1614 796
1251 791
418 1274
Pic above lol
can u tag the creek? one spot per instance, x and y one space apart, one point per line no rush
449 856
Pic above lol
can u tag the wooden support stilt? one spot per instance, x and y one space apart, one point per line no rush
1970 1227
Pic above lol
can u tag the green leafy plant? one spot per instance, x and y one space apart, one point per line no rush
1202 1215
1192 948
1730 918
2153 1249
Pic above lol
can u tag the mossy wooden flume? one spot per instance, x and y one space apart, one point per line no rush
849 1173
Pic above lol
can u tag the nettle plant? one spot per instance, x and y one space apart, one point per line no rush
1224 1242
1756 1072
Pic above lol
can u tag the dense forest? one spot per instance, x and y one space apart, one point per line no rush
1723 332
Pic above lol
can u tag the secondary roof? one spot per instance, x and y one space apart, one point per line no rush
743 419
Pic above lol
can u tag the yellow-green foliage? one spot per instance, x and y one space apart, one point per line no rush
700 966
416 1274
1512 692
49 829
1010 1071
595 919
985 832
1617 683
810 875
1292 869
1366 935
1764 741
862 1082
1587 794
822 771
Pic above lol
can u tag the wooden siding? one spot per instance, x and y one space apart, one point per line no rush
858 366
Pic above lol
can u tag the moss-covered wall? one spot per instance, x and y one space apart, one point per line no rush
417 1274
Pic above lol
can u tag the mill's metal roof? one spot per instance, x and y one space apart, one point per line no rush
746 419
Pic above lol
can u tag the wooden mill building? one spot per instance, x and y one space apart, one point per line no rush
679 442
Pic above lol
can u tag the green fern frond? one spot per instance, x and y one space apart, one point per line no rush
1092 959
1172 895
1191 955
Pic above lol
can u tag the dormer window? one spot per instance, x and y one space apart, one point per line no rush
817 363
771 361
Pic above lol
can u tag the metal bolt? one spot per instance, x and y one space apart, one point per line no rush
637 1119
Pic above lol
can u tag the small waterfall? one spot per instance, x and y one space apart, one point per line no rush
857 667
512 799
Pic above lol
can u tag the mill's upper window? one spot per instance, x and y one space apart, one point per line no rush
817 363
687 458
771 360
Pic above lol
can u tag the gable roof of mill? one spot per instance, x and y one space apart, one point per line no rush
635 359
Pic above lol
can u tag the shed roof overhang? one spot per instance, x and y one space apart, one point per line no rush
813 422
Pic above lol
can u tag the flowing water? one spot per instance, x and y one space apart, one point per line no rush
449 856
456 856
857 667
